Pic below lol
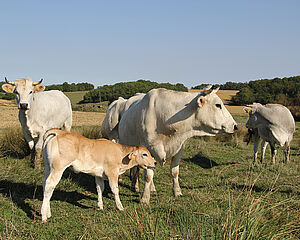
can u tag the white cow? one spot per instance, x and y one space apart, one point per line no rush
109 127
164 119
273 123
38 112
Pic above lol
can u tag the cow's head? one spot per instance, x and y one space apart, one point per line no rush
254 117
23 87
142 158
212 117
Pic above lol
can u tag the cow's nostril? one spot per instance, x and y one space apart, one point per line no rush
236 127
155 163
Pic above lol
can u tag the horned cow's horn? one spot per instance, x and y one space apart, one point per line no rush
37 83
9 82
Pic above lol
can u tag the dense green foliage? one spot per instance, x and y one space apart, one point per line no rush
126 90
283 90
66 87
226 86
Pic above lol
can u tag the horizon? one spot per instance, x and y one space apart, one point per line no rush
189 42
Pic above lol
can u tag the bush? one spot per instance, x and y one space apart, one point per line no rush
126 90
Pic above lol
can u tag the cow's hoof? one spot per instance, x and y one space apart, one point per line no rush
177 193
145 201
135 189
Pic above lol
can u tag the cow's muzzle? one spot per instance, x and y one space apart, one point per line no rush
24 106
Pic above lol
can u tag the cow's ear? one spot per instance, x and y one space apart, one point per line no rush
39 88
201 100
248 110
8 88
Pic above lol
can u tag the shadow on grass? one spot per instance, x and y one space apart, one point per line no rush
20 192
202 161
257 189
88 183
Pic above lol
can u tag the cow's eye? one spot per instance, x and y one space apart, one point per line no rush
145 155
219 106
30 92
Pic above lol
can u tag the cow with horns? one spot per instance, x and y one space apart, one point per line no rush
39 111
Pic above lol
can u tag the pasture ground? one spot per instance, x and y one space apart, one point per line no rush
225 196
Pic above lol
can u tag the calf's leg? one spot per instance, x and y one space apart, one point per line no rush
100 188
50 184
113 183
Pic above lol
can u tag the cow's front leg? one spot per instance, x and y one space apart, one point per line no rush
135 179
255 146
37 157
264 145
113 183
148 179
174 169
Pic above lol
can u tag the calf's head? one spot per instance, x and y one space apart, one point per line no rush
141 157
23 87
211 116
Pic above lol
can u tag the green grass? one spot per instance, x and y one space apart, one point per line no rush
75 97
225 196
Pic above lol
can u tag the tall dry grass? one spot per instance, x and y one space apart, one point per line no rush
13 143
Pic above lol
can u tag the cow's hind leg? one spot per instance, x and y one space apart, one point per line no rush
50 184
100 188
287 152
273 153
68 124
174 169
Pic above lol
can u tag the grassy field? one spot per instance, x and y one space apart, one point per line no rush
75 97
225 197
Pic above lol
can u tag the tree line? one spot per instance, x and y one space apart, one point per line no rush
126 90
285 91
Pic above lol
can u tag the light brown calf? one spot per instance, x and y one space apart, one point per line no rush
98 157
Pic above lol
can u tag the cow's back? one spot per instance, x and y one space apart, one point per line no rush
149 116
279 116
49 109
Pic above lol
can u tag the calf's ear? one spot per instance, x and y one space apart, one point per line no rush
39 88
131 155
8 88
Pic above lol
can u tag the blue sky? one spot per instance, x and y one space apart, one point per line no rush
189 42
